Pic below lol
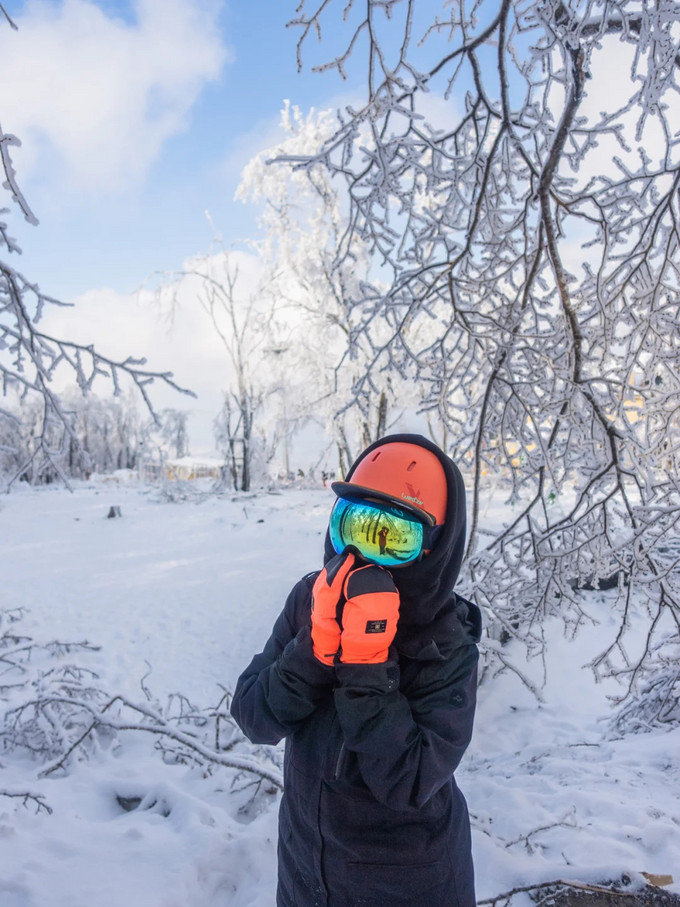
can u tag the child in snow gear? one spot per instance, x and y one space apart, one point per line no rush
370 675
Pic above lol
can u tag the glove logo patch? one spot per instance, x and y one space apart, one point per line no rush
376 626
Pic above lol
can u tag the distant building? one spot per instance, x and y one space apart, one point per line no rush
187 469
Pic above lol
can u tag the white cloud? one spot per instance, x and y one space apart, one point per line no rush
177 338
94 98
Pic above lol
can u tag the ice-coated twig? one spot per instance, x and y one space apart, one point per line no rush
528 289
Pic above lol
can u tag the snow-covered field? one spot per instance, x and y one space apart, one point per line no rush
178 596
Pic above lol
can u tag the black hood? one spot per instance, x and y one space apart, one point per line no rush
426 587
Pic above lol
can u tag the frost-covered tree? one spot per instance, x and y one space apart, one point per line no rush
30 357
304 222
231 290
514 169
105 434
174 431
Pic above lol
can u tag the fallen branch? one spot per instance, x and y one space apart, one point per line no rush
560 823
161 728
28 797
507 896
64 710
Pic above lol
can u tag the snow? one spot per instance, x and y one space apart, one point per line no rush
179 596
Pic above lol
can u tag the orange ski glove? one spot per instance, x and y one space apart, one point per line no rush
369 617
327 599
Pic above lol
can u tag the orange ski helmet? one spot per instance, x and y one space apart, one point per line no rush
401 473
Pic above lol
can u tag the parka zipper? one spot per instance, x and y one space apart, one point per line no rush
338 763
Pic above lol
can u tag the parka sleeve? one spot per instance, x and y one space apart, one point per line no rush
284 684
408 742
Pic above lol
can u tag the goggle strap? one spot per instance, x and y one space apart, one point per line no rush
431 535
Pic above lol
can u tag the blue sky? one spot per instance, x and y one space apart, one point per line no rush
119 201
137 116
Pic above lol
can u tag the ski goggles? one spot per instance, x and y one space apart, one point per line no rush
383 533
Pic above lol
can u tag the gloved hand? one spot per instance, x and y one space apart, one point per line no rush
327 602
369 616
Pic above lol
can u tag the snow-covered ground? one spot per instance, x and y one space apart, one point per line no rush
178 596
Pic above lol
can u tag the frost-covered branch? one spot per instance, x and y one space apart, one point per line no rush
186 743
525 224
30 357
57 710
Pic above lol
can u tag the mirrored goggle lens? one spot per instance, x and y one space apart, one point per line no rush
381 536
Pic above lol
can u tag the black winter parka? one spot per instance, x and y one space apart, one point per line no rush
371 814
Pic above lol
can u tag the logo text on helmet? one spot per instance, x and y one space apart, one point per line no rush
412 495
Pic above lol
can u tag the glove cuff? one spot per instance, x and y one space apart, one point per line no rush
299 658
381 677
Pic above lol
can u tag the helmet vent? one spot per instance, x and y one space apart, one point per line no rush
410 466
375 456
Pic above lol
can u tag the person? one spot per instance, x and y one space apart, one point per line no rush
382 540
370 676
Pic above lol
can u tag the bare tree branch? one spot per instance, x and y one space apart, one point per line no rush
528 252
